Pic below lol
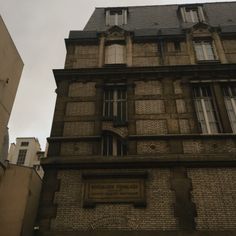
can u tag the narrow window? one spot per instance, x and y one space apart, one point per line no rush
114 104
113 145
205 50
205 109
115 54
192 14
116 17
230 103
21 157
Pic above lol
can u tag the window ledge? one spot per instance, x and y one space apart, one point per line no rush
115 65
208 61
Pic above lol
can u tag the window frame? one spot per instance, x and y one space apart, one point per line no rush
206 109
187 14
115 104
203 43
229 96
113 145
114 18
21 157
115 54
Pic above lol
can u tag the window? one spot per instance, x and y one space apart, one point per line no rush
205 50
21 157
113 145
205 109
114 104
24 144
115 54
230 103
192 14
116 17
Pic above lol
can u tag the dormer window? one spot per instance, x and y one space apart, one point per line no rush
116 17
193 14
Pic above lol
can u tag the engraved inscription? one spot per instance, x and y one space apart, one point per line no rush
114 191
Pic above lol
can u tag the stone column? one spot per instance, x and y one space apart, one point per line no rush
219 47
101 51
190 48
129 50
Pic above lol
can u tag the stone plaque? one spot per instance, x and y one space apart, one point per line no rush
114 190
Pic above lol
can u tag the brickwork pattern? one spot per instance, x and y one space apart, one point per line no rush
214 193
178 87
82 89
78 128
85 56
152 147
80 108
145 50
181 106
109 126
149 107
76 148
184 126
151 127
158 215
152 87
209 146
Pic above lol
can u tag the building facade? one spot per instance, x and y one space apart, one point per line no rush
20 188
143 136
26 152
11 66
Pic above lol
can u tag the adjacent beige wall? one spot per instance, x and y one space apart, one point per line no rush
11 67
19 195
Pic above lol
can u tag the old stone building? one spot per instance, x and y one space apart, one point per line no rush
143 136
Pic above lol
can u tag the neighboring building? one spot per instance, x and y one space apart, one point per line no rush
20 189
144 130
26 152
11 67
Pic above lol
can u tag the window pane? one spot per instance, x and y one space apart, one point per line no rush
205 110
230 103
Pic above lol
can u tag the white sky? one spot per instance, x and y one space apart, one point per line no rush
38 29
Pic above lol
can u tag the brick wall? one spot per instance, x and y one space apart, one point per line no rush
151 127
145 54
76 148
149 106
152 147
158 215
80 108
82 89
214 193
152 87
209 146
78 128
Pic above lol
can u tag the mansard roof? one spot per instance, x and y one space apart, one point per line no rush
165 16
161 20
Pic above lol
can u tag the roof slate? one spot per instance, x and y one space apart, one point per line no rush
161 20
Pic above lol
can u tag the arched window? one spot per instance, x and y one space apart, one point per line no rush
113 145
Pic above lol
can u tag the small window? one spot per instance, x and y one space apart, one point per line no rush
116 17
24 144
113 145
205 50
205 109
115 104
21 157
230 103
192 14
115 54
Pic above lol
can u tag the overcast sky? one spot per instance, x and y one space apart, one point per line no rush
38 29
